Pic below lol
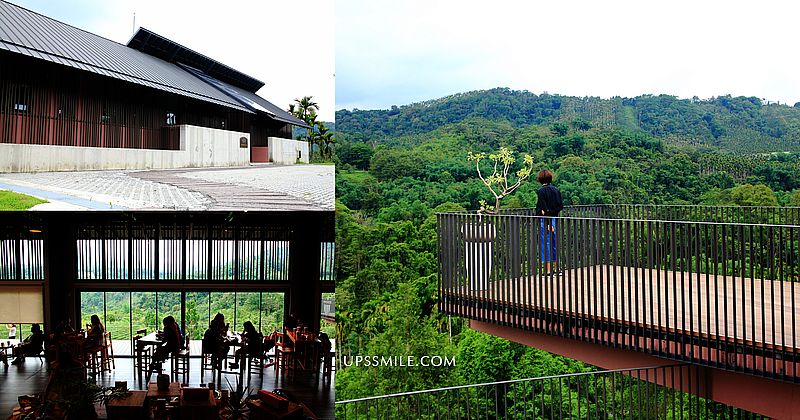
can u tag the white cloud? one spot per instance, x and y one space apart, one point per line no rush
286 44
399 52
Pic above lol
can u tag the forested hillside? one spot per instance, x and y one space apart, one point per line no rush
397 168
734 124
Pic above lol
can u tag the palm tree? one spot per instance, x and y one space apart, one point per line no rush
325 140
306 109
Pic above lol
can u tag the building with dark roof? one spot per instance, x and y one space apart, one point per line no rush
72 100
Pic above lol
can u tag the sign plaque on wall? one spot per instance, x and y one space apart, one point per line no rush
243 142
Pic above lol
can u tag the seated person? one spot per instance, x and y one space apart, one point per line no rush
173 341
31 346
95 335
220 320
253 341
212 342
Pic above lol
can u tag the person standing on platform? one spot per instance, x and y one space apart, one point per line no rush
549 204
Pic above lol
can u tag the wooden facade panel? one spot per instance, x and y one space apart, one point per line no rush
43 103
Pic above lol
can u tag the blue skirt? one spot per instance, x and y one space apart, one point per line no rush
547 240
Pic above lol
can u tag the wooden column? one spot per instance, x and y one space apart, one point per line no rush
304 297
60 270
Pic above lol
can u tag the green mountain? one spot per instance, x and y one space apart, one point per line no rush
735 124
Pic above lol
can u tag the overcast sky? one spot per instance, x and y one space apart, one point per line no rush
289 45
398 52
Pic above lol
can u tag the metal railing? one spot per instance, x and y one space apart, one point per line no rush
724 295
687 213
649 393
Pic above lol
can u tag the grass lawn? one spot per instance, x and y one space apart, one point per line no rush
10 200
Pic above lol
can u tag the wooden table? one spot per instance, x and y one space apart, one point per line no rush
198 408
174 391
131 407
306 350
234 341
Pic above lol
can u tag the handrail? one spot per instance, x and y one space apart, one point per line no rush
661 392
615 219
511 381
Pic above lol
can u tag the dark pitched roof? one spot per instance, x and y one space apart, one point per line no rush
249 99
156 45
23 31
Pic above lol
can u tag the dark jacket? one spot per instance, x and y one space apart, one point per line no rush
210 342
549 201
33 344
173 339
254 341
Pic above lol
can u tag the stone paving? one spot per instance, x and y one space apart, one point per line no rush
315 183
261 187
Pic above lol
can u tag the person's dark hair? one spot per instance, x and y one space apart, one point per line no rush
249 327
95 320
169 320
36 328
220 319
545 176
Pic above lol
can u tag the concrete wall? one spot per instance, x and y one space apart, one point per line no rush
200 147
285 151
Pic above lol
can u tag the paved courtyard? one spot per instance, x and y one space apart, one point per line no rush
261 187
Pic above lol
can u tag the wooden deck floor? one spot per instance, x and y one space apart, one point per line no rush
746 310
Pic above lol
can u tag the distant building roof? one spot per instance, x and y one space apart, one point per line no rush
149 60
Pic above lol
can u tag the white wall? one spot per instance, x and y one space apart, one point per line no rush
199 147
285 151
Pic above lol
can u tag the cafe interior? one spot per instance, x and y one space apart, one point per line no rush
161 314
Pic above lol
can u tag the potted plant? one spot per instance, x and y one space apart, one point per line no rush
71 396
479 235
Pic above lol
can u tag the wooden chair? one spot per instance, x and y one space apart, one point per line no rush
284 354
206 364
180 363
108 352
141 353
94 355
257 360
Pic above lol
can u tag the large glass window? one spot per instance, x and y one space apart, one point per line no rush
170 261
143 311
92 303
196 259
271 312
23 256
224 303
168 304
197 314
117 317
247 309
182 255
124 313
327 269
